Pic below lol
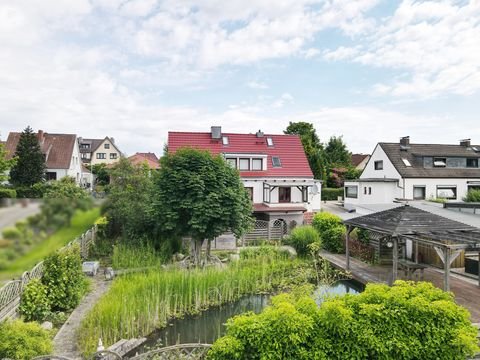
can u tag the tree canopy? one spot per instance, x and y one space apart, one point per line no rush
200 196
311 145
5 165
29 168
336 152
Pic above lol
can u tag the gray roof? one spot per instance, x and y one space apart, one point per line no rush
415 152
94 144
411 221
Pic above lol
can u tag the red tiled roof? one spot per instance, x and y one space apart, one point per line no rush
287 147
58 148
149 158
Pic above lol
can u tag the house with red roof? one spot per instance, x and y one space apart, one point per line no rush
150 159
62 155
274 170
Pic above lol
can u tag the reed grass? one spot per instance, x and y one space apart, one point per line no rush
126 256
137 304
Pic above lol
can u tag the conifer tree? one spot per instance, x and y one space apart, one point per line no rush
30 165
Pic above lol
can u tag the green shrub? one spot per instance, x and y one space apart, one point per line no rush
331 230
11 233
406 321
472 196
329 194
363 236
7 193
19 340
226 348
301 237
35 191
34 304
63 278
264 251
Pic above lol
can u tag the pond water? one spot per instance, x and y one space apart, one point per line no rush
209 325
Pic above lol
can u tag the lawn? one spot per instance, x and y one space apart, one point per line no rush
81 222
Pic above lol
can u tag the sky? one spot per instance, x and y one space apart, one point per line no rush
369 70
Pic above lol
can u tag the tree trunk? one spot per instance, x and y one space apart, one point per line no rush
196 247
209 247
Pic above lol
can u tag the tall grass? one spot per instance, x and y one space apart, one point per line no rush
137 304
127 256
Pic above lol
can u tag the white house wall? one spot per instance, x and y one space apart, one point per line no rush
107 152
75 169
314 200
431 186
388 171
381 193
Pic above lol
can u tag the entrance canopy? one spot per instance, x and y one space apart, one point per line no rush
446 236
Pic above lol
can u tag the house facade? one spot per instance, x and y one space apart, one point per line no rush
62 154
273 169
99 151
406 171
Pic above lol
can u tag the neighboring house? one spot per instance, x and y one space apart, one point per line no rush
405 171
99 151
359 161
273 168
149 158
62 155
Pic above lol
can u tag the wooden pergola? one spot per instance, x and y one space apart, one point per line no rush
395 226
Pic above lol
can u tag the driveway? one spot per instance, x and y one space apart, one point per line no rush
10 215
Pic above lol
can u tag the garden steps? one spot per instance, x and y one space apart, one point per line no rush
124 346
65 341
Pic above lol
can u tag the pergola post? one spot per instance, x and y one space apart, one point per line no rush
395 259
347 248
446 267
416 252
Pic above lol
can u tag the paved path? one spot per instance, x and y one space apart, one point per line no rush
65 342
10 215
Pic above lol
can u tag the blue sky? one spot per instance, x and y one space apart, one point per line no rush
369 70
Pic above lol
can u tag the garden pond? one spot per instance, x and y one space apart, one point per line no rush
209 325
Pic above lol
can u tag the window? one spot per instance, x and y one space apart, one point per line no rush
472 163
447 192
232 162
439 162
269 141
84 146
86 156
113 155
51 176
106 146
284 194
369 190
276 161
406 162
249 192
225 140
351 191
244 164
257 164
365 190
378 165
419 193
101 156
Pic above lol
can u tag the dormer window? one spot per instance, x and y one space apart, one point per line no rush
472 163
232 162
269 141
244 164
225 140
439 162
276 161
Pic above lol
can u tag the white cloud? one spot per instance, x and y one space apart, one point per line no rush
436 42
284 99
257 85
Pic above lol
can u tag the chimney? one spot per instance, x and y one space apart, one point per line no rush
40 137
216 132
112 140
259 134
405 141
465 142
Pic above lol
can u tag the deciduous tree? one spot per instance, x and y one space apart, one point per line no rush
200 196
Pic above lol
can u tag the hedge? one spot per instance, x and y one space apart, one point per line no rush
7 193
331 193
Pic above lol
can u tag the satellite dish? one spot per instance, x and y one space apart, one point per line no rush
314 190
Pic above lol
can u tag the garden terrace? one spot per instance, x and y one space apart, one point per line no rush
395 227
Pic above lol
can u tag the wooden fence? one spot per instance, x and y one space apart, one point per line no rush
266 230
11 292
